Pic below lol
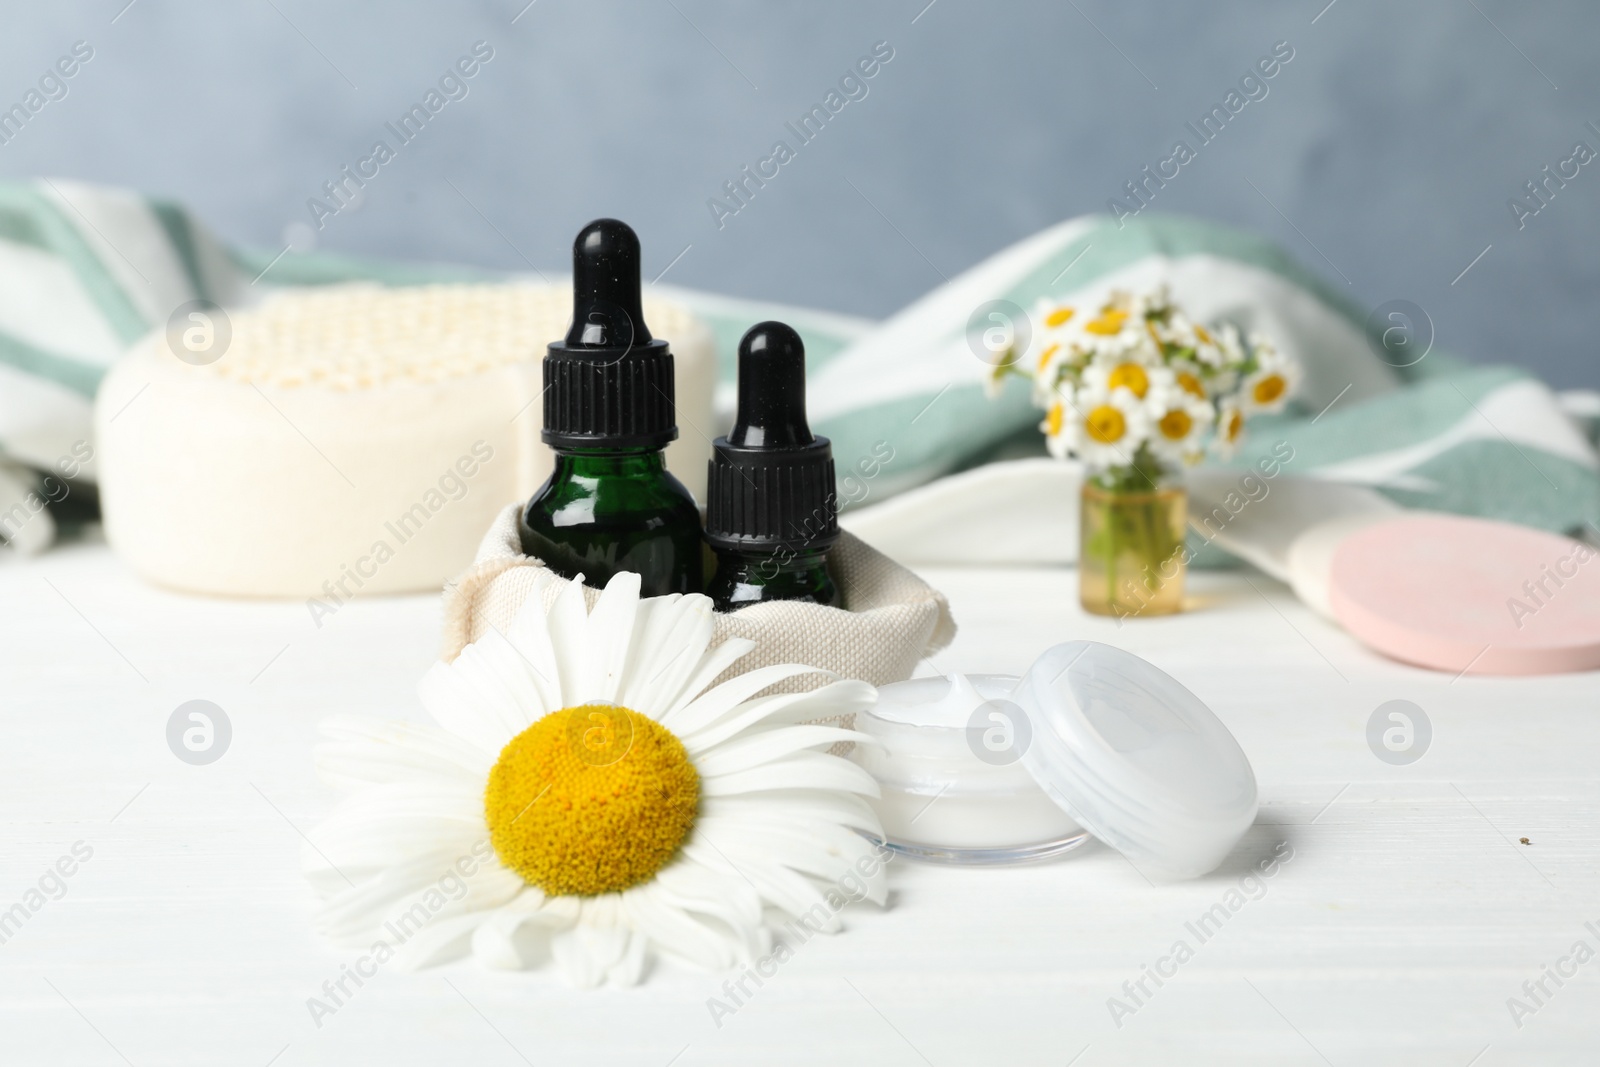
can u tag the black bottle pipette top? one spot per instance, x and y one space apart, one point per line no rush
771 483
608 383
610 504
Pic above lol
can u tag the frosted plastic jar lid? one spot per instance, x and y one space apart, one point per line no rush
1135 758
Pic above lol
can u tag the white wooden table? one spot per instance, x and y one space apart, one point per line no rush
1407 916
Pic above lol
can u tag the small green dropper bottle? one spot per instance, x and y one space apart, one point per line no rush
610 504
771 509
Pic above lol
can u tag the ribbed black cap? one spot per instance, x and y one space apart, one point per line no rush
771 482
608 384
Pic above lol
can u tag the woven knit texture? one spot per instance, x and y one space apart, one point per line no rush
895 618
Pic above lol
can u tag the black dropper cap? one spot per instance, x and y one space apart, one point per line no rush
771 481
608 384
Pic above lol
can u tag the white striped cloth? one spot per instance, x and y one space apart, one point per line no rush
86 270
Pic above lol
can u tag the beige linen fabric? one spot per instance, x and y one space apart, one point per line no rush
895 618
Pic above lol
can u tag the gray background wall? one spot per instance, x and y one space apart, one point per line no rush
1384 153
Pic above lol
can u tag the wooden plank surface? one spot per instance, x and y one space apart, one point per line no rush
1405 918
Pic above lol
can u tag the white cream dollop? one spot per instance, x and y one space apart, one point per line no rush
953 707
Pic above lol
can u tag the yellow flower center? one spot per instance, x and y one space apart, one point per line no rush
1200 332
1269 388
1108 324
1057 317
1190 384
1045 356
1053 420
1106 424
591 799
1176 424
1131 375
1234 427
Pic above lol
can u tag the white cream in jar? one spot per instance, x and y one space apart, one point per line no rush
953 784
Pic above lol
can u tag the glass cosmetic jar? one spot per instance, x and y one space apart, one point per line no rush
1091 741
950 795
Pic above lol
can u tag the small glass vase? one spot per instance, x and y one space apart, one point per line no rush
1131 556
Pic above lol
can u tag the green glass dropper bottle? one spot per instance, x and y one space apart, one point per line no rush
771 509
610 504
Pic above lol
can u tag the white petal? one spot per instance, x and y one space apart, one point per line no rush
653 913
610 632
812 850
672 636
569 625
652 627
755 819
779 886
712 664
561 912
353 910
759 748
458 707
602 910
804 770
627 972
591 955
727 903
394 823
438 942
832 701
362 750
494 950
455 799
432 927
494 943
447 894
361 851
694 887
507 681
845 810
712 705
530 635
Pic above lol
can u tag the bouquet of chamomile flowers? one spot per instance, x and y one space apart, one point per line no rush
1137 387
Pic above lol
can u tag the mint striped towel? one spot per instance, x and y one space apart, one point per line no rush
86 270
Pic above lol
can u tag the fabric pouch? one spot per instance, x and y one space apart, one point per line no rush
894 618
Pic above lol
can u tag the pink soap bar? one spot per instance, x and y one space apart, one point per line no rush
1470 595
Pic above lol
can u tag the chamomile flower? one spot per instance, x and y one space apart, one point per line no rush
1059 440
1182 339
1206 351
1180 422
1230 426
1050 353
1191 378
1056 370
611 804
1121 370
1267 388
1050 315
1229 348
1105 427
1110 322
1038 360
